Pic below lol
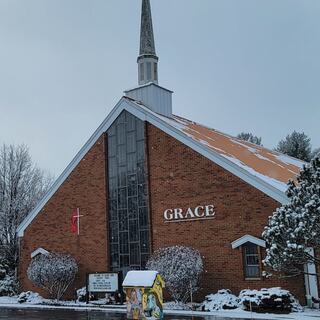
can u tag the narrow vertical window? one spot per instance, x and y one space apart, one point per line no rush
155 70
148 71
141 66
251 257
128 210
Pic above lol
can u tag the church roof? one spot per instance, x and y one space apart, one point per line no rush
266 170
273 167
267 167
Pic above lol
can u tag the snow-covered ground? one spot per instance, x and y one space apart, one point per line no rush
11 302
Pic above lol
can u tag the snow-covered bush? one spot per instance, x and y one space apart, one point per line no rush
3 268
269 300
8 286
222 300
30 297
180 267
265 300
82 294
294 228
8 283
53 273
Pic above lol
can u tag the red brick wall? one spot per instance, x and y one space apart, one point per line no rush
179 177
85 188
182 178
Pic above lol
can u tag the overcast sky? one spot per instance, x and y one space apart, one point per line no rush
249 65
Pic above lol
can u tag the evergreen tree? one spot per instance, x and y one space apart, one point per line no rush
315 153
294 228
247 136
296 145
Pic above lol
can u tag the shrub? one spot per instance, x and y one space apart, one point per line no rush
180 267
30 297
269 300
53 273
82 294
8 286
222 300
3 267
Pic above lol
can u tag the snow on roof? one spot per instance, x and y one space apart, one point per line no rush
140 278
272 167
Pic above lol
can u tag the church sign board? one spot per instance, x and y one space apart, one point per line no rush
202 212
103 282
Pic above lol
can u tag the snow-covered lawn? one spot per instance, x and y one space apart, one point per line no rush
11 302
40 303
8 300
241 314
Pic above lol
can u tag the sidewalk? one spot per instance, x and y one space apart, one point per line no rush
11 303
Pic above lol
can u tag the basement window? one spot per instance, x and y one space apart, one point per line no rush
251 258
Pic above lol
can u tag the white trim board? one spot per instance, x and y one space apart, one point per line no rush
147 85
39 251
145 114
248 238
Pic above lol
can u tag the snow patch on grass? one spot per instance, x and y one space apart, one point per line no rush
172 305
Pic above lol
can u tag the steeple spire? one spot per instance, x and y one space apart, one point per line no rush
146 33
153 96
147 60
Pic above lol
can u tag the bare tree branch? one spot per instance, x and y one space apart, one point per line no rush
22 185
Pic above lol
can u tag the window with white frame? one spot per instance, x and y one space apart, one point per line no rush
251 258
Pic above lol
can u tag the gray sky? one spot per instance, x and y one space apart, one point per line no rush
249 65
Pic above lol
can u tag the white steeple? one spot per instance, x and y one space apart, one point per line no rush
156 98
147 60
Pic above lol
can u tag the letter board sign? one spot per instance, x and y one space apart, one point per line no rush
103 282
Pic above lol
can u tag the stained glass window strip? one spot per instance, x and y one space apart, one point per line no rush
128 194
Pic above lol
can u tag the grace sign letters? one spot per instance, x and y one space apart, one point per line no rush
103 282
198 213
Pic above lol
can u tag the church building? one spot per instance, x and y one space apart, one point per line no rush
148 179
